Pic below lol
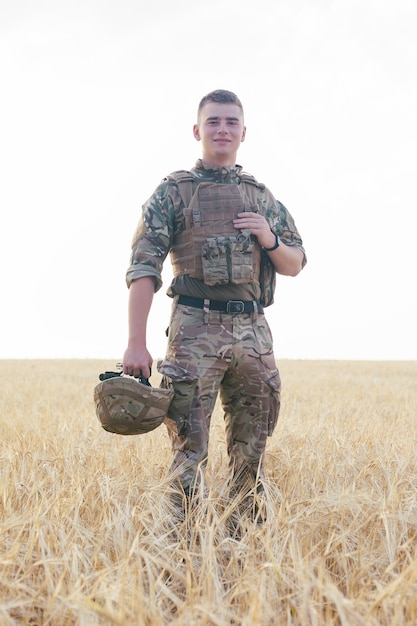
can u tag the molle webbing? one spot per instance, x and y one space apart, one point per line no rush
209 218
213 196
214 203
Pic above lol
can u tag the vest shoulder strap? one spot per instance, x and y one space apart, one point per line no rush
251 180
252 188
185 183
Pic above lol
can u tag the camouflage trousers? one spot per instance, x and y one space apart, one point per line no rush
211 353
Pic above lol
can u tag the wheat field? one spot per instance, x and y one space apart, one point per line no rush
87 535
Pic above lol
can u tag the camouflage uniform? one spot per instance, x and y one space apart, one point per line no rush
210 351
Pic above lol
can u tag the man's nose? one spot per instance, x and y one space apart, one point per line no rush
222 127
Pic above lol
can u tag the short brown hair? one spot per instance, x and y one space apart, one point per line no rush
220 95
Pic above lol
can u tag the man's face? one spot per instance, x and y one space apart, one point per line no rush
221 130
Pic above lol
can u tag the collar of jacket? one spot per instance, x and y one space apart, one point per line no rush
222 174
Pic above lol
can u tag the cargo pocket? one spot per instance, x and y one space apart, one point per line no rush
183 383
241 248
274 383
214 255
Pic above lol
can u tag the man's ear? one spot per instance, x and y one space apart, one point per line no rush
243 134
196 132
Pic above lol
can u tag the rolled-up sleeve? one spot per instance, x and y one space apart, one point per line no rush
282 223
151 241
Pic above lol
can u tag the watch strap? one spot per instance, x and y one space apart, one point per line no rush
275 246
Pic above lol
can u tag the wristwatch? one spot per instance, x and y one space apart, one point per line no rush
275 246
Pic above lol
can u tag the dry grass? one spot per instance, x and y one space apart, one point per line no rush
86 535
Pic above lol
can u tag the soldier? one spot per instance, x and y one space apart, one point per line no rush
227 237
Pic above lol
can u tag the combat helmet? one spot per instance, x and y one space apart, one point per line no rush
127 406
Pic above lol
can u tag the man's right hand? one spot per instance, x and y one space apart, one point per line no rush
137 362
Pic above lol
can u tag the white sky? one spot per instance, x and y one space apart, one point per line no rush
98 102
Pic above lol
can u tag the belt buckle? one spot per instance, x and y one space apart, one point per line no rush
235 306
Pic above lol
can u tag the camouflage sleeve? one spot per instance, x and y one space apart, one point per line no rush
282 223
154 233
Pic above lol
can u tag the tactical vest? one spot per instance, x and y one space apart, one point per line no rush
210 248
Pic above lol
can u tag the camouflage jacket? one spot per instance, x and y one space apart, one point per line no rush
163 216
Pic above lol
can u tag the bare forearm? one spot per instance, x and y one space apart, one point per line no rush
137 360
288 260
140 300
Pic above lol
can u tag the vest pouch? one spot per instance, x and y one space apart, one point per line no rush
241 253
214 259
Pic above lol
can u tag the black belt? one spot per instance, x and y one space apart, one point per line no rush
228 306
